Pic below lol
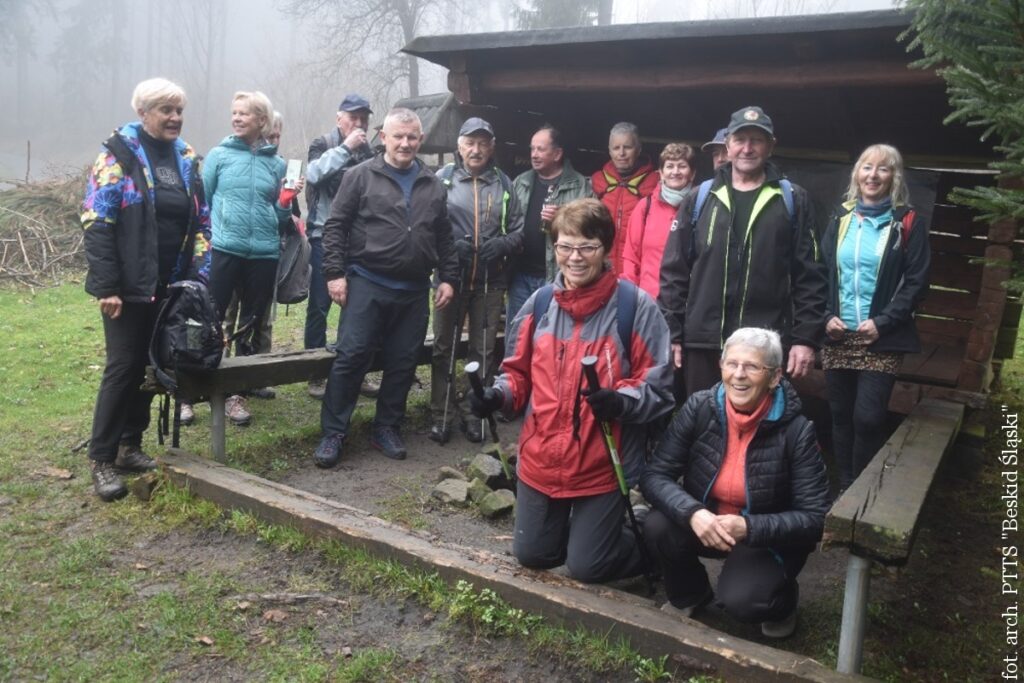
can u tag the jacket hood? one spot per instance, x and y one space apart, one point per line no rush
643 166
130 133
235 142
786 403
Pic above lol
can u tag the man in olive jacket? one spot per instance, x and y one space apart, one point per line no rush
387 232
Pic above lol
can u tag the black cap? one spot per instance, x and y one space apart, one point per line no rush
751 117
475 124
354 102
719 139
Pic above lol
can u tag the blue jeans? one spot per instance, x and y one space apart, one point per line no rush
319 303
520 288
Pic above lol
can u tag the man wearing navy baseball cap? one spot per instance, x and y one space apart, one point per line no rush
752 262
330 156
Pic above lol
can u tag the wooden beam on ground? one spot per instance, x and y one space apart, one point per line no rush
877 516
601 609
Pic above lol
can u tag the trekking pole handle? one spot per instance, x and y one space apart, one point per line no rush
473 372
589 364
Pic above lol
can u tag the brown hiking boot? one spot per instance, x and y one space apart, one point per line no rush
234 408
317 388
106 482
132 459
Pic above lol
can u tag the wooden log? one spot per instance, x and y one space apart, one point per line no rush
1002 232
969 399
974 376
948 303
966 246
877 517
601 609
905 395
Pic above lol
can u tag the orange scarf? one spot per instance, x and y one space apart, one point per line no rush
730 489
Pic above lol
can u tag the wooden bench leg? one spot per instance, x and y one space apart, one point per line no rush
217 424
855 608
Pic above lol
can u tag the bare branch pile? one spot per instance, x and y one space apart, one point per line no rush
40 233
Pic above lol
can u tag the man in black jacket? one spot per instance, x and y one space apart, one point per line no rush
387 232
748 259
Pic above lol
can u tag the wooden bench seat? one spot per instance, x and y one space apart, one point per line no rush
877 517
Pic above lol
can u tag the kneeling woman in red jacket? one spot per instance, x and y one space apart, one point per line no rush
738 475
564 470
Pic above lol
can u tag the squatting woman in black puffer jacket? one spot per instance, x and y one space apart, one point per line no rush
738 475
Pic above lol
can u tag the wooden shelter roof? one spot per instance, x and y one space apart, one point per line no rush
832 83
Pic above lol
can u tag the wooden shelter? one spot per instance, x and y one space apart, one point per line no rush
832 84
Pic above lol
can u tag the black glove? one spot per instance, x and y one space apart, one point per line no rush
491 250
606 404
465 251
483 406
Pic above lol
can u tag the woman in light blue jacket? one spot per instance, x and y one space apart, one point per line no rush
243 176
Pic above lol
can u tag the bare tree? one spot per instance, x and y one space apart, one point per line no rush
367 35
556 13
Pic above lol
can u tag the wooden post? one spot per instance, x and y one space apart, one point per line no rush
855 609
217 420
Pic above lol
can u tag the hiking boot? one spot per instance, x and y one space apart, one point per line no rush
328 453
317 388
689 610
106 482
234 408
473 431
264 392
783 628
132 459
188 415
369 388
440 433
388 441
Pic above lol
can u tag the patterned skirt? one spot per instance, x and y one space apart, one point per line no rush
851 353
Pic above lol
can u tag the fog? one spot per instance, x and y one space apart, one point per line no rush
70 66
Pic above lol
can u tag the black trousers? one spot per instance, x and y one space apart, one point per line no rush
858 401
254 279
122 409
595 544
390 322
756 584
700 370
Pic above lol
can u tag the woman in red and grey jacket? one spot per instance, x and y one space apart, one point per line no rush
625 180
564 469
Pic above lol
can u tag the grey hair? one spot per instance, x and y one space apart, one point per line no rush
153 92
767 342
277 121
625 128
402 115
260 105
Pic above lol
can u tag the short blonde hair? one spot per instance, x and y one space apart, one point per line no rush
260 105
892 158
153 92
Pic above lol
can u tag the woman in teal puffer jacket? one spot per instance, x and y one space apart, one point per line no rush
243 176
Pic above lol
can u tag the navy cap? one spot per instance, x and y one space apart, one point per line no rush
719 139
354 102
751 117
476 124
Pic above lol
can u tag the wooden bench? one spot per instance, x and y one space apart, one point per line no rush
245 373
877 517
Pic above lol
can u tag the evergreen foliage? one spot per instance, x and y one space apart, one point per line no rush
977 46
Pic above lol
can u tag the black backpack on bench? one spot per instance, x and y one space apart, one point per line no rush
187 335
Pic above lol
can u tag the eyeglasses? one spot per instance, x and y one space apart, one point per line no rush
752 369
584 250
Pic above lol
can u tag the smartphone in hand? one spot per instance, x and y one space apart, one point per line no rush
294 172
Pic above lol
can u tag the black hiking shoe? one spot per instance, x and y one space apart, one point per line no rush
106 482
440 433
473 431
389 442
132 459
328 453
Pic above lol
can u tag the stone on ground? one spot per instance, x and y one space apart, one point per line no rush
449 473
477 490
485 468
454 491
497 503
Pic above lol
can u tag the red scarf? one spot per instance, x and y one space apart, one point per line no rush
730 488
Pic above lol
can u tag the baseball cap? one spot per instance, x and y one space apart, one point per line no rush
751 117
475 124
354 102
719 139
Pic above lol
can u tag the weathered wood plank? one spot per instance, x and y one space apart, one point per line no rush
877 516
605 610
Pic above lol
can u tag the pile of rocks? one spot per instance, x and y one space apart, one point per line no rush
483 484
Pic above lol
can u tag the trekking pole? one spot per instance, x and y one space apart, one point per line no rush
484 360
590 370
450 380
478 388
